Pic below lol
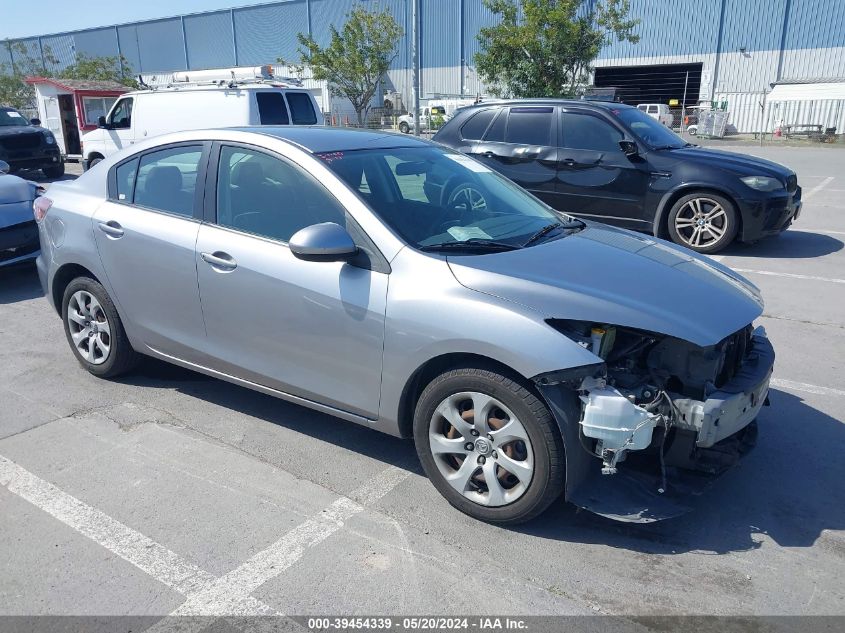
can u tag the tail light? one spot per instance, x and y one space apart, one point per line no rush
40 207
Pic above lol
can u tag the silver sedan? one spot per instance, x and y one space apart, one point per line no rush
403 286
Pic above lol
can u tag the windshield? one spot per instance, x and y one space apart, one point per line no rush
12 117
649 130
436 199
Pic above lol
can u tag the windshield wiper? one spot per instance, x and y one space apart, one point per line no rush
573 224
472 244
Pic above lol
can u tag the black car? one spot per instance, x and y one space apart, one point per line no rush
614 163
25 145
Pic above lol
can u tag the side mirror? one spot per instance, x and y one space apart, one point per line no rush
326 242
4 167
101 122
35 121
629 148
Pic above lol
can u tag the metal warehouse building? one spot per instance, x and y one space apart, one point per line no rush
728 51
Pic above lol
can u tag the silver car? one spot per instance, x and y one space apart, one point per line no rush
395 283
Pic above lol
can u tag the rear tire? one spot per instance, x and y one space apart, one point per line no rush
404 128
505 467
94 161
94 329
704 222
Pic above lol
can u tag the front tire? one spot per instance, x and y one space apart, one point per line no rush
489 445
94 329
704 222
54 171
404 128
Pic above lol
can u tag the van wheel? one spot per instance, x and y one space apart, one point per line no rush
94 330
703 222
404 128
94 161
489 445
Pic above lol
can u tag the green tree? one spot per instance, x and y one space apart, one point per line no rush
14 91
115 69
544 48
356 58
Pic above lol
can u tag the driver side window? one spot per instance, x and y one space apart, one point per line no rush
121 116
267 196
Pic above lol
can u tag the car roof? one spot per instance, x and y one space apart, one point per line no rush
605 105
318 139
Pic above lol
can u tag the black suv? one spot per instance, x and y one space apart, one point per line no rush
612 162
25 146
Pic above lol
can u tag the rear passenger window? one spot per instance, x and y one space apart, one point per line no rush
473 130
530 126
496 133
301 108
167 180
125 176
271 108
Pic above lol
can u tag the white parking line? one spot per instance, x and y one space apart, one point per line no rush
824 183
149 556
807 388
771 273
205 593
823 231
272 561
717 258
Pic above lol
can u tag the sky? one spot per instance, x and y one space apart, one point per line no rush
19 18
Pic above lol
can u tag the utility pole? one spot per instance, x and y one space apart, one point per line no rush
684 106
415 64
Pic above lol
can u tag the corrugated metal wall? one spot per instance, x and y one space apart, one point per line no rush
209 40
780 38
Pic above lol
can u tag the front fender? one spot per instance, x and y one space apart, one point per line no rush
664 206
430 314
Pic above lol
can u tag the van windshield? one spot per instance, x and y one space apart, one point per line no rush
649 130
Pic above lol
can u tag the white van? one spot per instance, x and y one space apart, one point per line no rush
137 116
659 111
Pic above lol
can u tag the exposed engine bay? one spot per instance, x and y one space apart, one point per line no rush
661 404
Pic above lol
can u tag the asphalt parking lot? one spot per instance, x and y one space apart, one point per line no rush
169 492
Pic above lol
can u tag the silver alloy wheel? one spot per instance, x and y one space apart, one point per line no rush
89 327
468 197
481 448
701 222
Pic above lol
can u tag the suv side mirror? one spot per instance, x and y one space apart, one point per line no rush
101 123
629 148
35 121
326 242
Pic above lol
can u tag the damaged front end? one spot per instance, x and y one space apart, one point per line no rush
658 420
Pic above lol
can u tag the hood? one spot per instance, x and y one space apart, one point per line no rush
613 276
16 130
741 164
16 196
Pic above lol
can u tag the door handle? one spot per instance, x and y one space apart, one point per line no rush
219 259
569 162
488 154
112 229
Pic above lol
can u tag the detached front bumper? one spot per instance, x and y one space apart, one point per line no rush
705 440
736 404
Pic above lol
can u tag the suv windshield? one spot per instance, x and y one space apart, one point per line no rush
649 130
437 199
12 117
